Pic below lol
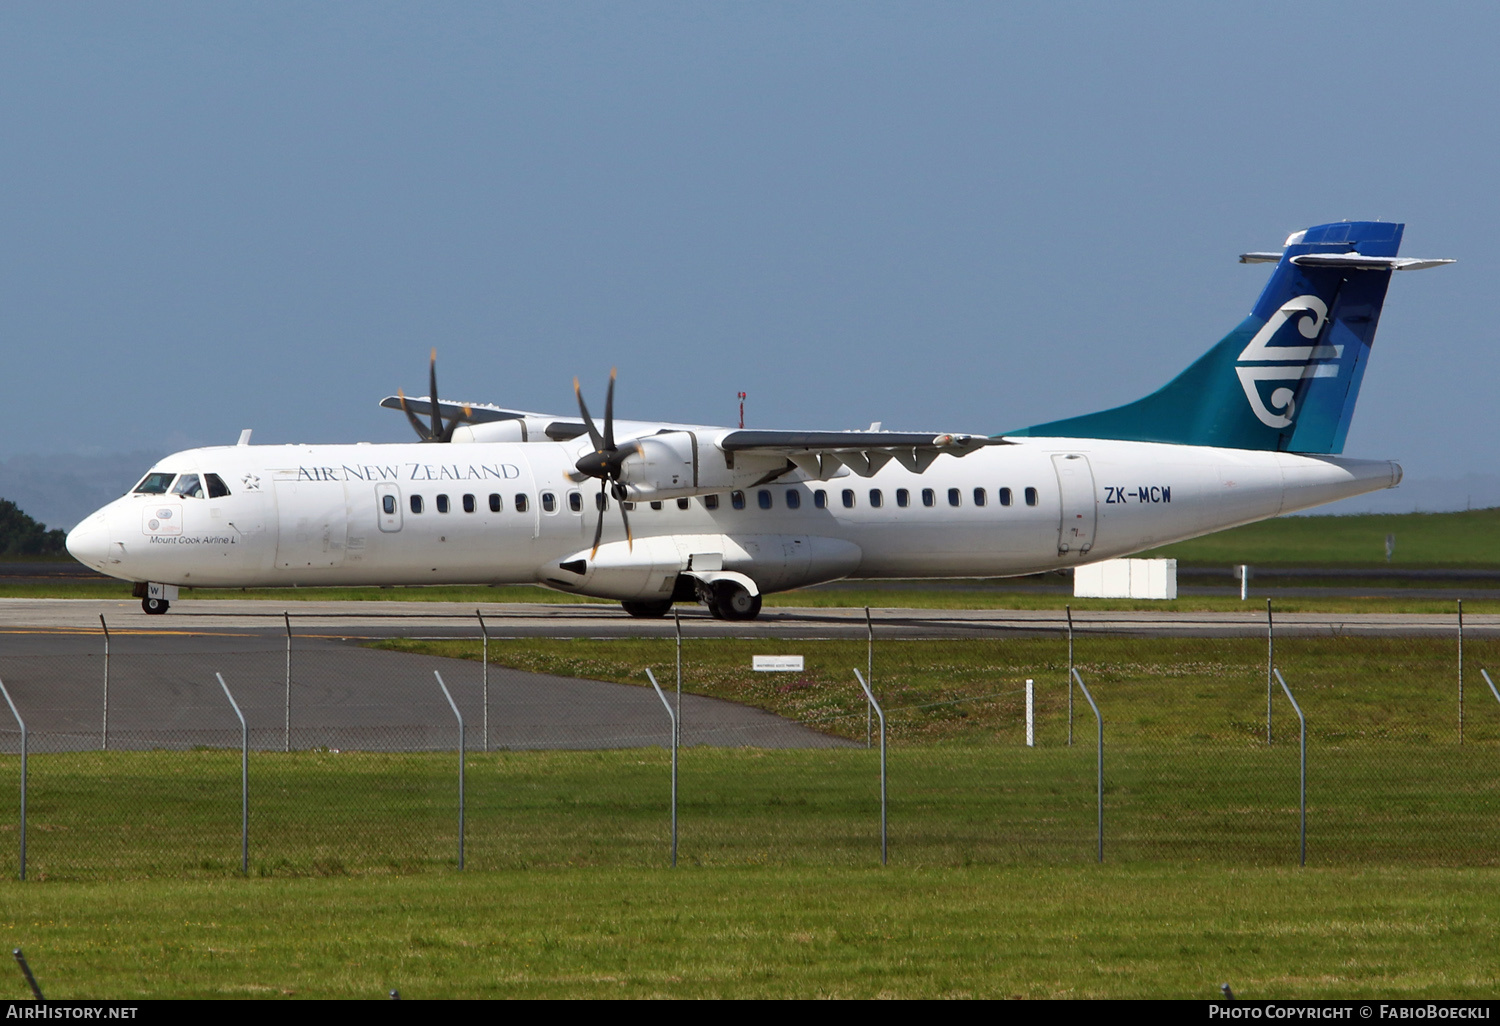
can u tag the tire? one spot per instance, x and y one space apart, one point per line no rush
732 602
648 610
154 606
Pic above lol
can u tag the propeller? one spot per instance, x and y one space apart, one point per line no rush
438 432
607 460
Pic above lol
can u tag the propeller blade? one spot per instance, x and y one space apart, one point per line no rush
588 421
416 424
462 418
599 524
609 414
432 393
629 540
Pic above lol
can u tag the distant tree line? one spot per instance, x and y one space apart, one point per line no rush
22 536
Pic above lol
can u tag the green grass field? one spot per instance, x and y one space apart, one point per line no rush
980 931
1466 539
992 889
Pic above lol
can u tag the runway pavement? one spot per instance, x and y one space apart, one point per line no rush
369 620
163 690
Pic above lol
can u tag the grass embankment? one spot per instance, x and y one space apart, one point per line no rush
770 932
1465 540
1462 540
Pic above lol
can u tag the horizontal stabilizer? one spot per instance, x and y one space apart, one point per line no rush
1359 262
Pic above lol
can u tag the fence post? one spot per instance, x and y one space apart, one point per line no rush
869 666
1270 667
1486 675
870 698
1069 610
1303 721
461 754
677 719
1460 671
22 724
1099 772
673 718
104 727
244 780
484 689
286 739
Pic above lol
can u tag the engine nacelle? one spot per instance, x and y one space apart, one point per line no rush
678 464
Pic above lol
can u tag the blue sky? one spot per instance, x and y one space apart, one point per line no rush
950 216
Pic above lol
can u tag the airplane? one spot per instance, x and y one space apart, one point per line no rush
722 516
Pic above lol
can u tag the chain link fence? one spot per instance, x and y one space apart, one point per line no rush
134 753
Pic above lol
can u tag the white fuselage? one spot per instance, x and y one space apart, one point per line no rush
311 515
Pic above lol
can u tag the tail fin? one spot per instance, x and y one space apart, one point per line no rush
1286 379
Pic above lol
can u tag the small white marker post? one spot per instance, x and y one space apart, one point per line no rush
1244 576
1030 714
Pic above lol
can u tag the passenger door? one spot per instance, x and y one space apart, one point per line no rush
1079 512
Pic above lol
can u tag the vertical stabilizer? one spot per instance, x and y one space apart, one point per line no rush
1286 379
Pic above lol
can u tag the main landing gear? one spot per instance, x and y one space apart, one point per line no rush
155 606
726 600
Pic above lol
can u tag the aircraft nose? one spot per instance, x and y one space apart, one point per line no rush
89 541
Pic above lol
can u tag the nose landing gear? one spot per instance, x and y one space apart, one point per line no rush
155 598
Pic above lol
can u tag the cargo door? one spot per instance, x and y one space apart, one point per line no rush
312 524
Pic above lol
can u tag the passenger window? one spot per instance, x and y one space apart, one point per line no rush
216 487
820 499
793 499
903 497
763 498
416 504
468 503
710 502
188 486
875 498
929 497
684 503
848 497
442 503
522 502
601 501
737 500
979 496
549 502
954 497
575 502
628 506
1005 496
656 505
494 502
1031 496
155 484
388 505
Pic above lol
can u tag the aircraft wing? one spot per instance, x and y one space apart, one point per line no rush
555 428
821 453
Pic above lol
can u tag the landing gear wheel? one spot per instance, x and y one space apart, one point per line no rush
730 601
648 610
154 606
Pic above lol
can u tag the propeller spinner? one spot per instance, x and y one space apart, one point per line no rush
607 460
438 432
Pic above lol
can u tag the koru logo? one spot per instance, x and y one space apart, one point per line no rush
1286 363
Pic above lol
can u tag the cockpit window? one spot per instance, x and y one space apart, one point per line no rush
216 487
188 485
155 483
